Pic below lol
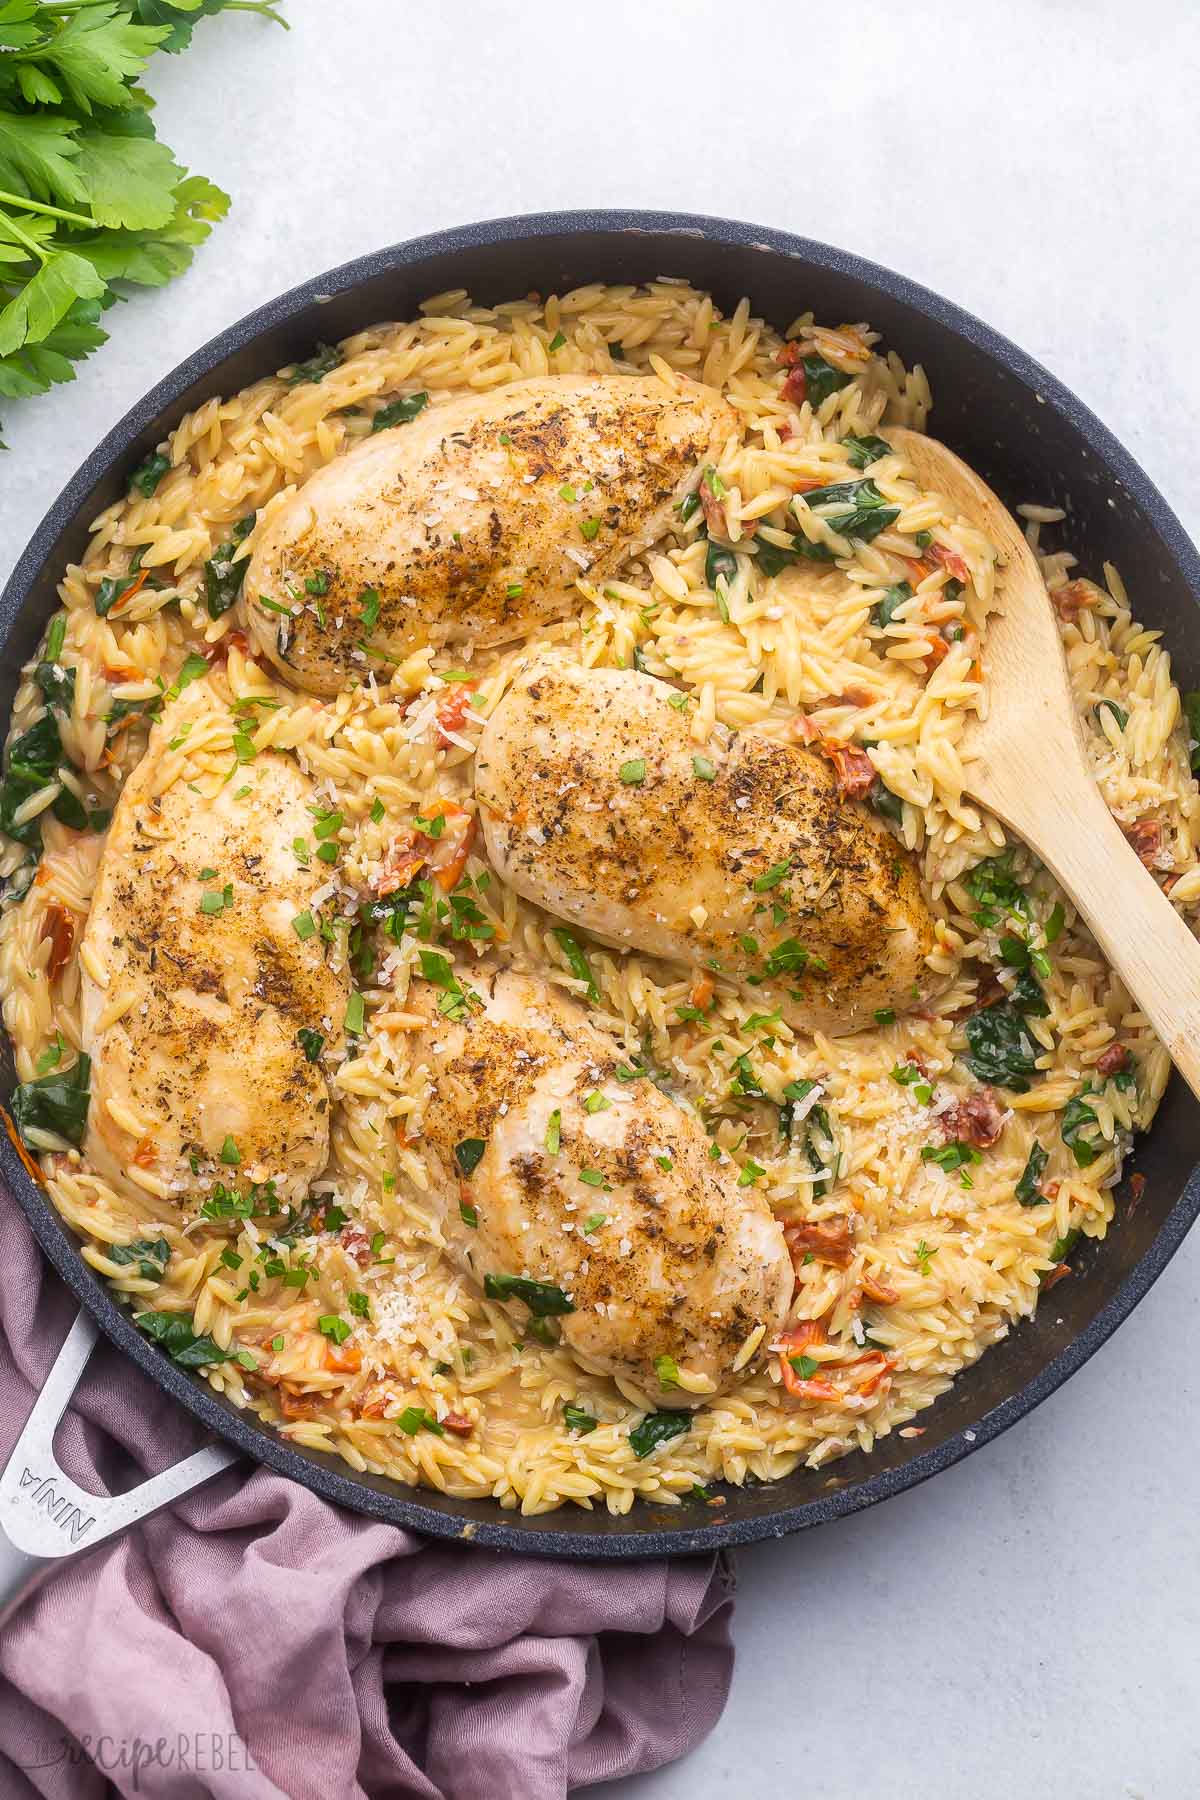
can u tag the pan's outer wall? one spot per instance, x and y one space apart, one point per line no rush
1027 436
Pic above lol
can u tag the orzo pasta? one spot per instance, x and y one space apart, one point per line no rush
931 1171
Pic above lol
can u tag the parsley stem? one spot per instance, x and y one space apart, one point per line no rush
31 244
255 6
52 212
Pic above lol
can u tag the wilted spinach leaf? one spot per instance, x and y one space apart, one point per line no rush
57 1102
542 1299
173 1330
1000 1047
657 1428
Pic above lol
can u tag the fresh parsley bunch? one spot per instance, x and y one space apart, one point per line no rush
89 199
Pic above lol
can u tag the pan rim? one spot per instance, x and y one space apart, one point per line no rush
330 1477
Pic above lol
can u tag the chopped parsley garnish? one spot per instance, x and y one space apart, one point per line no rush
556 342
805 1366
923 1254
885 1015
468 1154
437 969
335 1329
703 768
468 1214
304 925
908 1075
542 1298
194 667
243 745
369 604
217 900
356 1014
1052 929
231 1156
687 506
791 958
951 1157
595 1102
667 1370
996 892
633 773
589 528
416 1418
593 1222
575 1419
577 962
52 1055
1118 713
554 1133
762 884
593 1178
751 1172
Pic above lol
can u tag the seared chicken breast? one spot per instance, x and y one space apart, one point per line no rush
742 857
473 521
196 980
576 1194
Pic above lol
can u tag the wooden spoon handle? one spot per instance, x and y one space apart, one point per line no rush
1141 934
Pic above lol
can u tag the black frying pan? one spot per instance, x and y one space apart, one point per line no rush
1030 439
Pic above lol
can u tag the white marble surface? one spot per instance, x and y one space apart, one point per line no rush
1029 1622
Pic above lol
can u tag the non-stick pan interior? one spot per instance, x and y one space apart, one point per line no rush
1032 441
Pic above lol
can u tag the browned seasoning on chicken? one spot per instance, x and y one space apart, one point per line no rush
550 1168
743 857
204 1058
473 521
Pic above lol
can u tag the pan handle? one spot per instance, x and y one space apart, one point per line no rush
46 1517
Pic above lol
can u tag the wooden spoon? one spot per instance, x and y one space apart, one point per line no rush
1027 763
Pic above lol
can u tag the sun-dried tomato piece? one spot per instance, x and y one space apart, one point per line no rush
58 929
828 1241
978 1120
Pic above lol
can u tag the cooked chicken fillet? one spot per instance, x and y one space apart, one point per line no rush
474 521
745 859
612 1200
204 1056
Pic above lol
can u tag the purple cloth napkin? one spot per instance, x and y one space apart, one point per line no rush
258 1643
